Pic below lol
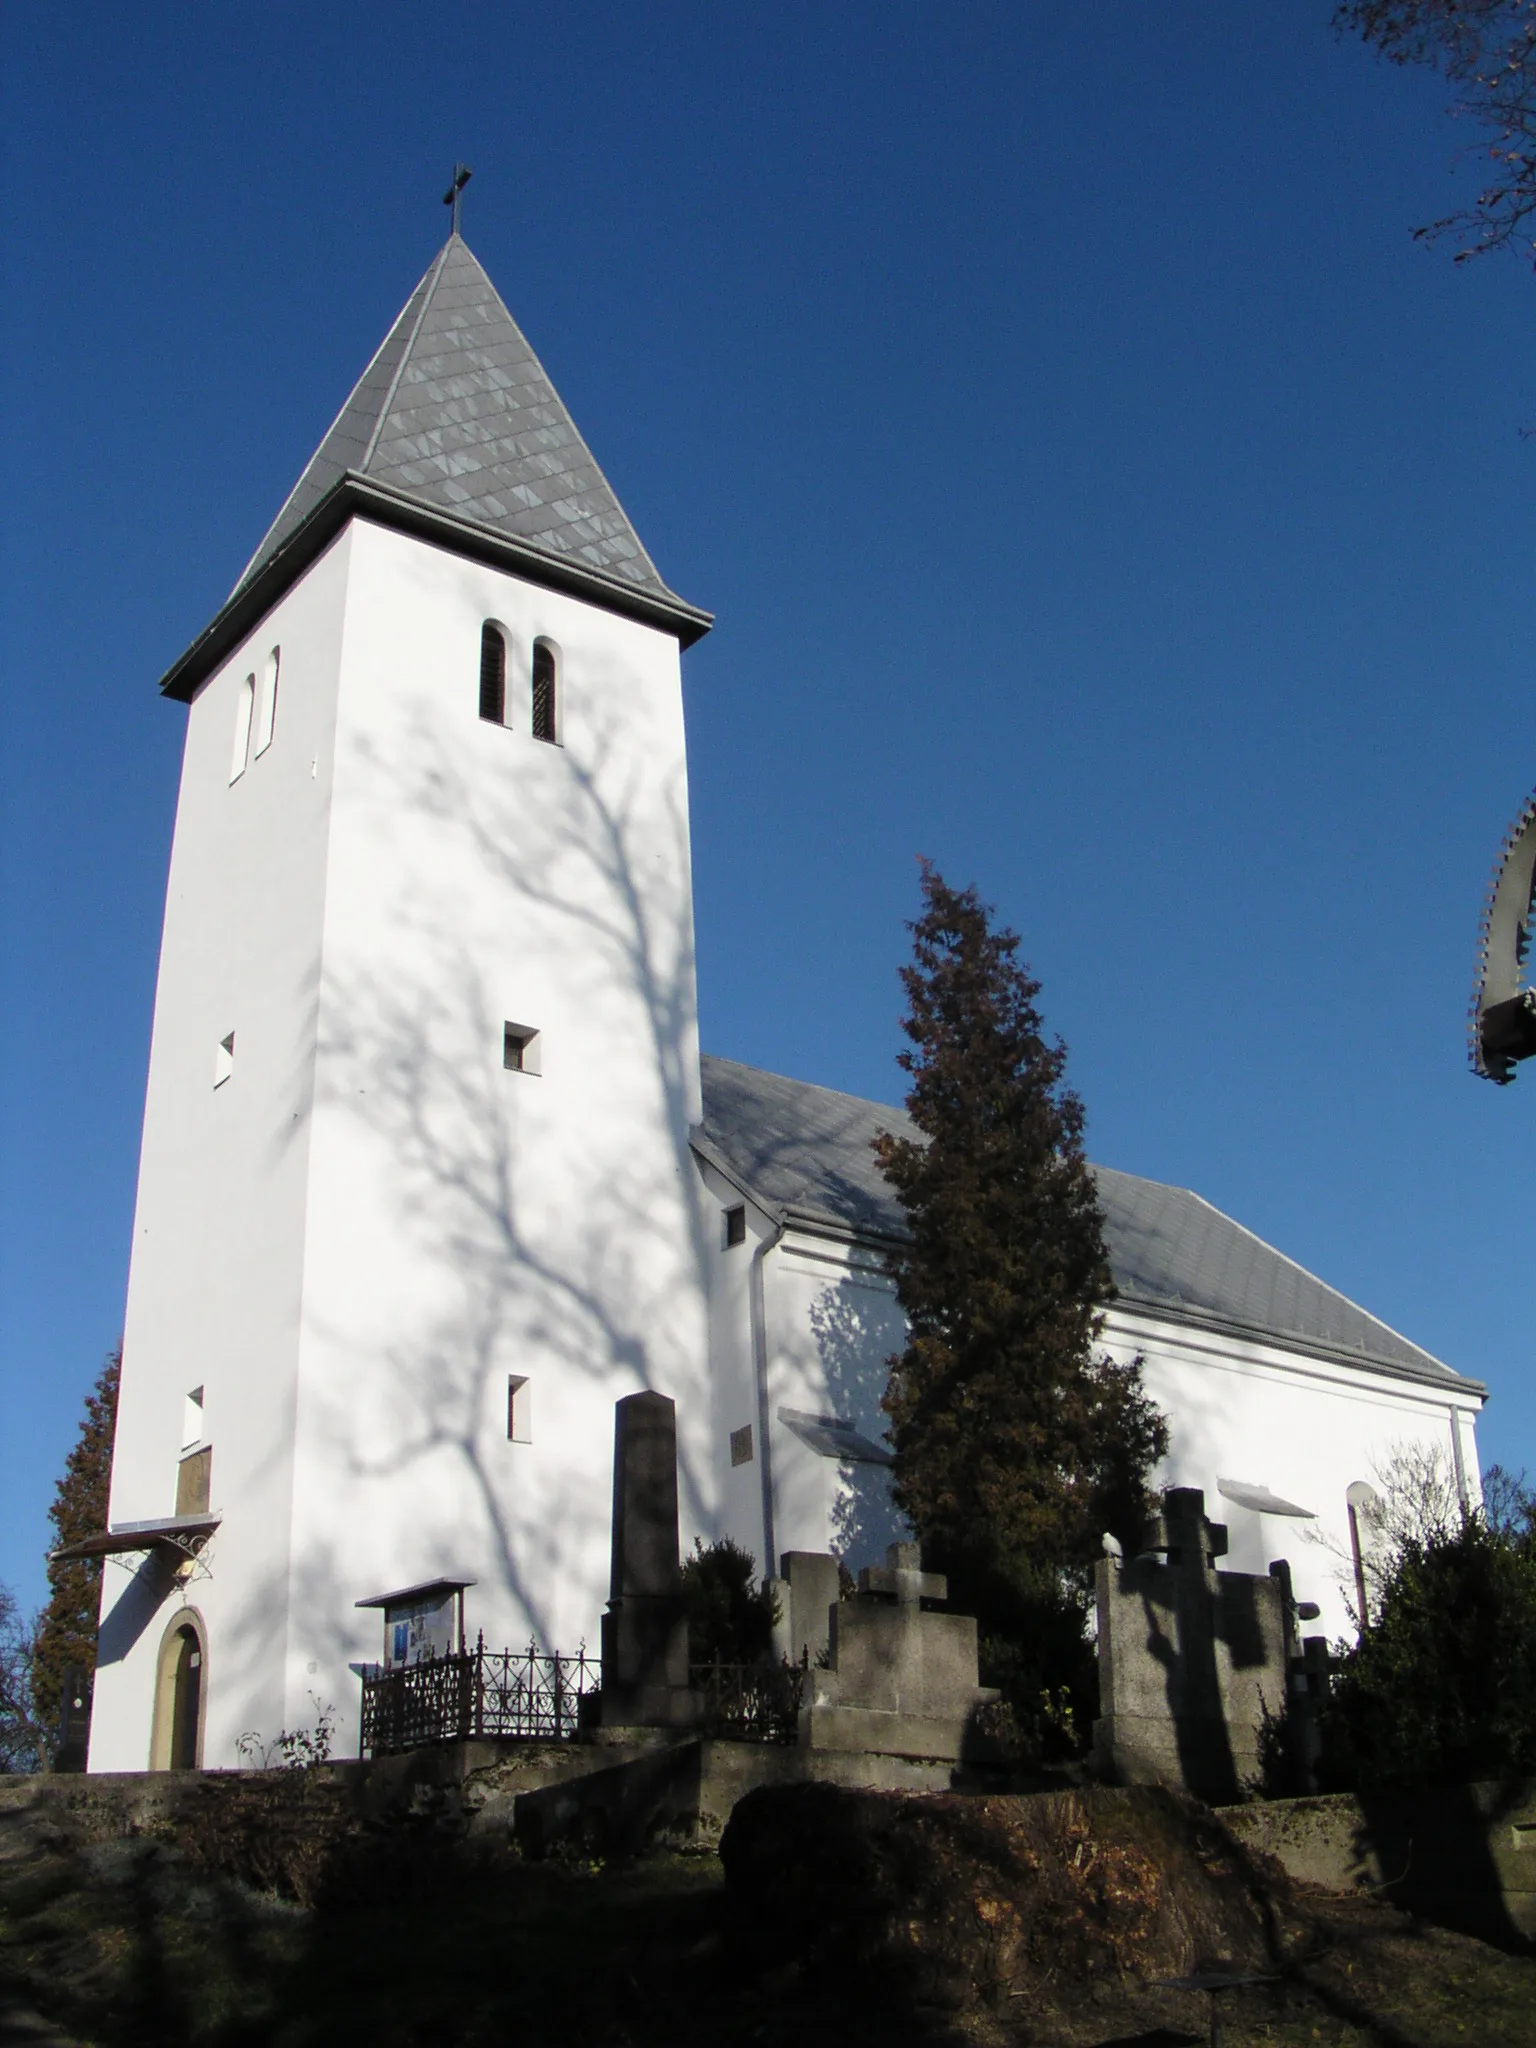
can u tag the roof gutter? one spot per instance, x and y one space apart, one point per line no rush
1445 1380
810 1222
353 496
757 1299
1435 1373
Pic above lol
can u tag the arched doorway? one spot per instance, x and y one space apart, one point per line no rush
181 1681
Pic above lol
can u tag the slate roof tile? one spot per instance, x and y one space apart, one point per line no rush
454 392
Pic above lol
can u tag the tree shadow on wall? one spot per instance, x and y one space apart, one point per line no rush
853 1340
599 1270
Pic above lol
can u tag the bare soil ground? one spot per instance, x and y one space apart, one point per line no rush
137 1943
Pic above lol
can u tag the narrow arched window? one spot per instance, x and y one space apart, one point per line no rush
266 717
493 675
1363 1503
242 750
546 691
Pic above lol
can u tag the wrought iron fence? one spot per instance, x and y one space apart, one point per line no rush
751 1702
480 1692
536 1695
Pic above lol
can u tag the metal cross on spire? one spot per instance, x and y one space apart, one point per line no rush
461 177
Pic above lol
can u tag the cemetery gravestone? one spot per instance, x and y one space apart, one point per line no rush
645 1630
902 1679
808 1591
1193 1662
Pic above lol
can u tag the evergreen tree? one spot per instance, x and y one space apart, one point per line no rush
1016 1447
66 1635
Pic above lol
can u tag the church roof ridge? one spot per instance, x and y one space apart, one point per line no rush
804 1150
456 412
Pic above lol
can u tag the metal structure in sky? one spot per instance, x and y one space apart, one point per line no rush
1501 1022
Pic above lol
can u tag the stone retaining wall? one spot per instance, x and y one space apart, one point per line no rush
1460 1856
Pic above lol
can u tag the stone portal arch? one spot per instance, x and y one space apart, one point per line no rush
181 1694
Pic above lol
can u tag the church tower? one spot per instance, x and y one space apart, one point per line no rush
415 1202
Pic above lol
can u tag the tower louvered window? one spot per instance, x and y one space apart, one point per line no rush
266 718
493 675
545 685
244 705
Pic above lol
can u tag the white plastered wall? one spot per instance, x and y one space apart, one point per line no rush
218 1235
468 1223
1303 1425
356 1240
833 1324
830 1323
733 1365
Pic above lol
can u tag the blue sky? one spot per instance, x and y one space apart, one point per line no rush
1098 491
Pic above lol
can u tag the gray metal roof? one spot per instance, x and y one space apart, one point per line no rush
456 411
805 1151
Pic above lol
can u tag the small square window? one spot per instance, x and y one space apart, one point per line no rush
735 1226
519 1410
521 1052
741 1445
224 1060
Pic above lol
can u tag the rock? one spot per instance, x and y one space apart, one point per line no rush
945 1899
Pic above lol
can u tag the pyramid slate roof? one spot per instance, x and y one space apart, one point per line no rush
804 1152
456 412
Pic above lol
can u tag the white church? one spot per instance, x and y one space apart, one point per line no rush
433 1170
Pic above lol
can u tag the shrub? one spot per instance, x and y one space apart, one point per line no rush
1441 1688
730 1619
294 1749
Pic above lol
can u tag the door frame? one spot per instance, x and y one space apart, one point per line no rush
163 1725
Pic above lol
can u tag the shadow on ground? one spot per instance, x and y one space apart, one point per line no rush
423 1939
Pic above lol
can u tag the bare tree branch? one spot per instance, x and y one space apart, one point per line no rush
1487 50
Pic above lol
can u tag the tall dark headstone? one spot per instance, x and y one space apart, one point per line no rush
645 1632
644 1499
